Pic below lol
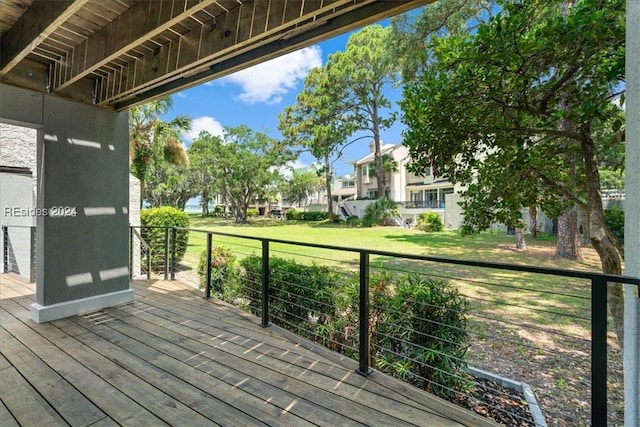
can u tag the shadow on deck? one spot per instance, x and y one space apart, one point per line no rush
173 358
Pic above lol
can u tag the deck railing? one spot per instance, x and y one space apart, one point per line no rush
545 328
19 250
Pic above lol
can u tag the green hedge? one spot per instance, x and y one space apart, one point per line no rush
293 214
153 222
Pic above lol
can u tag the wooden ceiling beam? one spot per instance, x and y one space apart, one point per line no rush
244 27
143 21
288 42
34 26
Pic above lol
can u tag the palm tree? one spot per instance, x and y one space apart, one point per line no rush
152 139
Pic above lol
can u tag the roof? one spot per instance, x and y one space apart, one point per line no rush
385 149
119 53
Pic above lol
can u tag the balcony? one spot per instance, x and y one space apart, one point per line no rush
174 358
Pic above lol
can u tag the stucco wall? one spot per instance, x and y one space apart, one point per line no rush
83 174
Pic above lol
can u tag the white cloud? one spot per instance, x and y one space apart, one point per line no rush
207 123
267 82
287 170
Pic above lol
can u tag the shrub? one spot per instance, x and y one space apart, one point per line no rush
252 213
353 220
293 214
614 218
301 296
334 218
224 272
430 221
381 212
218 211
432 314
418 330
154 221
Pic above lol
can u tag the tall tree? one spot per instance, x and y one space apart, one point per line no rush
316 123
247 162
362 72
152 139
202 167
485 111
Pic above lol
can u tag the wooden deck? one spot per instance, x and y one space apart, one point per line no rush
173 358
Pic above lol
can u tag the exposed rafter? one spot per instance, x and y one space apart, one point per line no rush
143 21
119 53
38 23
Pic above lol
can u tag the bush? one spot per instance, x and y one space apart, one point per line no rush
418 330
353 220
154 221
252 213
430 221
224 272
301 296
293 214
614 218
334 218
381 212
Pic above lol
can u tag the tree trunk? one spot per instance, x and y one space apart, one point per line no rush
378 153
533 221
568 245
521 245
204 200
327 180
601 236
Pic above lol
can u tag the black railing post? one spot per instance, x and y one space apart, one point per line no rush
166 253
5 250
363 317
598 352
131 252
173 253
207 285
265 283
32 255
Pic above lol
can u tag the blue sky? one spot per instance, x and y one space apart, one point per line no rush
256 96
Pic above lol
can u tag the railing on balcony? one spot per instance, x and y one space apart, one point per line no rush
422 204
19 250
545 327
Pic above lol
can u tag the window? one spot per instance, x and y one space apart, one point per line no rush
348 184
365 174
372 194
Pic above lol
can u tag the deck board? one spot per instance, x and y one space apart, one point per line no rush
171 357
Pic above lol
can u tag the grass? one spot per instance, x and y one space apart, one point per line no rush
521 323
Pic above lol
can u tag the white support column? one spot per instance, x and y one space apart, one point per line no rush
632 217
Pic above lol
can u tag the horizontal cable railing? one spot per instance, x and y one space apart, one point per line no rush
19 250
460 329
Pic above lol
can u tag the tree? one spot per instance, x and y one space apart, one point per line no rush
316 122
153 140
168 184
485 112
246 163
202 159
301 186
361 73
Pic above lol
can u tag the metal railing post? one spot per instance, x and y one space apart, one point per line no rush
173 253
598 352
32 256
131 252
363 316
5 250
265 283
207 285
166 253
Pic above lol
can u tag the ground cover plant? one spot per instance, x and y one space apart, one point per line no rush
523 326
